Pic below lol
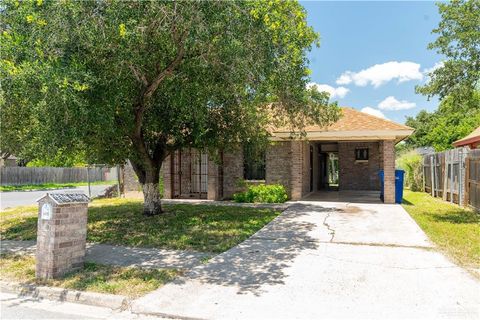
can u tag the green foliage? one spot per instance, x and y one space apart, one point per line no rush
273 193
439 129
458 38
116 80
411 162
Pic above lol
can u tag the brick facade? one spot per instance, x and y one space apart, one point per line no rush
277 164
61 240
388 147
358 175
288 163
232 172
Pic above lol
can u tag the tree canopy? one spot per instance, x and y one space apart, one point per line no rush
456 81
458 41
450 122
117 80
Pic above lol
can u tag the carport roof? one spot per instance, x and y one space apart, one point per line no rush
352 125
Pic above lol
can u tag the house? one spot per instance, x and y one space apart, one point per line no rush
472 140
346 155
9 161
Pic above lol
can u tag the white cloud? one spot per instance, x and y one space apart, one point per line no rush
338 92
374 112
391 103
382 73
436 66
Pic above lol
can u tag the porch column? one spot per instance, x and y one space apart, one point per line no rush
213 192
167 178
296 181
389 171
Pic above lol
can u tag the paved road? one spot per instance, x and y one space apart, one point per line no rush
325 260
13 307
25 198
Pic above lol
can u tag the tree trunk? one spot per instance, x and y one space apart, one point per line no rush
149 180
152 200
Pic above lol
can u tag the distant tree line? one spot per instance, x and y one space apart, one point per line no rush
456 82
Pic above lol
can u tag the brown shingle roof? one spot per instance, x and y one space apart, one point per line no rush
354 120
471 138
352 125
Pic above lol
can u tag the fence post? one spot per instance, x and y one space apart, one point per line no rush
88 181
461 172
432 169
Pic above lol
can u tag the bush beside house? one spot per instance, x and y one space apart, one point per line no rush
411 162
273 193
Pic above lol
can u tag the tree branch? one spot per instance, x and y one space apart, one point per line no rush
138 75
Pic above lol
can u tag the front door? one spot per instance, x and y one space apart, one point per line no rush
189 174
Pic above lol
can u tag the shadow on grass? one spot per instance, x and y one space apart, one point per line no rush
458 217
24 228
263 259
196 227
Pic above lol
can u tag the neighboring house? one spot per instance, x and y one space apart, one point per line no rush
10 161
424 150
472 140
346 155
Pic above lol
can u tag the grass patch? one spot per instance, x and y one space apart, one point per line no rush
183 226
130 282
49 186
454 229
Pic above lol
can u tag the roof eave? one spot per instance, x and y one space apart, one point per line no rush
357 135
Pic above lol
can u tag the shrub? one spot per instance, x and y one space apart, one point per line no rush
411 162
272 193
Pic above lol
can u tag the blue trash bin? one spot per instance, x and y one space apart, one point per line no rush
380 174
399 175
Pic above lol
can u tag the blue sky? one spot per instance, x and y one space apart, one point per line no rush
373 54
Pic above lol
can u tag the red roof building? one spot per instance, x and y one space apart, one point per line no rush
472 140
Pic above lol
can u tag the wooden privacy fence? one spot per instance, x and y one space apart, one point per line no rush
24 175
454 176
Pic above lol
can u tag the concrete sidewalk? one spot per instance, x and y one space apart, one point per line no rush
325 260
123 256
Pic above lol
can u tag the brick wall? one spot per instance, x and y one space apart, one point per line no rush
61 240
232 172
215 180
278 164
167 178
389 170
305 168
356 175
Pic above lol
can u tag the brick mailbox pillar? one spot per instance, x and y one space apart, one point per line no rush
61 234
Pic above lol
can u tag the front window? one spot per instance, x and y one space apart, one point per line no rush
361 154
253 164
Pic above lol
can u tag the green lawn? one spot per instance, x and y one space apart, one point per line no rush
120 221
48 186
455 230
130 282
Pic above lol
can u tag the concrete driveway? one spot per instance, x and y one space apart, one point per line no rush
325 260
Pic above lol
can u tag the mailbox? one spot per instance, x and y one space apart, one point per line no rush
61 234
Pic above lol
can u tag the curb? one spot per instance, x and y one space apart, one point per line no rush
115 302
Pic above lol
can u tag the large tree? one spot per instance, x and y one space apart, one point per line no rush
459 42
135 80
450 122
